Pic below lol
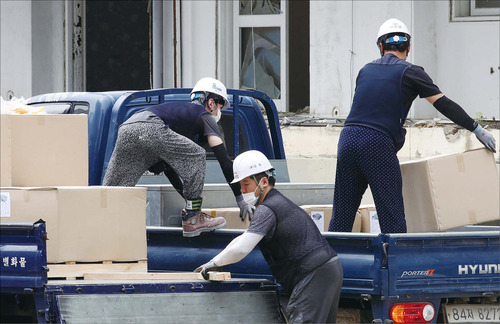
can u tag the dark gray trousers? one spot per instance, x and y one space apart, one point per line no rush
142 144
315 299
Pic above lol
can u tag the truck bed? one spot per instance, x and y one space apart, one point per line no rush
455 268
422 264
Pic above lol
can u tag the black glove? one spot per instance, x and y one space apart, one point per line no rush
158 168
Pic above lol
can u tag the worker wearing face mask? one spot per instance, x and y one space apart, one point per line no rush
169 138
374 132
298 255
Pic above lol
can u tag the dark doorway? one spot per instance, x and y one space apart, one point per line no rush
117 45
298 46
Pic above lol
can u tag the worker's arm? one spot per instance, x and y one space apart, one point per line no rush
235 251
239 248
226 165
214 140
456 114
225 162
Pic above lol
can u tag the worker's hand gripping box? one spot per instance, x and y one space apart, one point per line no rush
232 216
44 150
322 214
84 224
450 191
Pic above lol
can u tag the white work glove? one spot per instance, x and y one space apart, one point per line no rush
486 138
244 208
205 268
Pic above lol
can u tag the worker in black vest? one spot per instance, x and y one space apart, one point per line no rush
298 255
169 138
374 133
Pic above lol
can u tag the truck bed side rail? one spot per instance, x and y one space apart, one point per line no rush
23 256
361 256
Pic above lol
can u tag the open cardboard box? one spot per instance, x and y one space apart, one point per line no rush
450 191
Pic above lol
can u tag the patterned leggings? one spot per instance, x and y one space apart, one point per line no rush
140 145
367 157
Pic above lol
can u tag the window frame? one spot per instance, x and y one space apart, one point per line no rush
482 11
474 14
248 21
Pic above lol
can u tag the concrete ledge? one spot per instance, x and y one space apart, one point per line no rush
321 142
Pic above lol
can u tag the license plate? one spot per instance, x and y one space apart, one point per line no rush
472 313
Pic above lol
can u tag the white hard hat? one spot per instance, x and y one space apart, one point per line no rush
392 25
213 86
250 163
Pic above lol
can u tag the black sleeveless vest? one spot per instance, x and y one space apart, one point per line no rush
297 246
378 100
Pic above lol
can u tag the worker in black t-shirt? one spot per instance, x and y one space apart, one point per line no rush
299 257
169 137
374 133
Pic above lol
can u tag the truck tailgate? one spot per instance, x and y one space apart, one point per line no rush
164 301
450 263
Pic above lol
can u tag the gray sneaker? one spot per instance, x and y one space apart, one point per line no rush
200 222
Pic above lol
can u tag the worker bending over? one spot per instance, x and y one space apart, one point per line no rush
298 255
169 137
374 133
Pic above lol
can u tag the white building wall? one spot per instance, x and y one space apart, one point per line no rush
423 52
343 39
15 49
32 47
465 53
48 43
197 41
457 55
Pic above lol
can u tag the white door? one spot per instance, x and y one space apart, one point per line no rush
260 48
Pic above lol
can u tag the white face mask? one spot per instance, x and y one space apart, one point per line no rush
250 198
217 117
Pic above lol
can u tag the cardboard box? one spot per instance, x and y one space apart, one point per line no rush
450 191
322 214
84 224
44 150
232 216
369 219
6 152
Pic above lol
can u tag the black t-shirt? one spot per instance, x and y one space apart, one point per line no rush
417 82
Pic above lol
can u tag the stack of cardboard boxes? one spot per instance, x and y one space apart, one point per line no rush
44 175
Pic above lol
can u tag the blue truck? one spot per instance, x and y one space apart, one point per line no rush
438 277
